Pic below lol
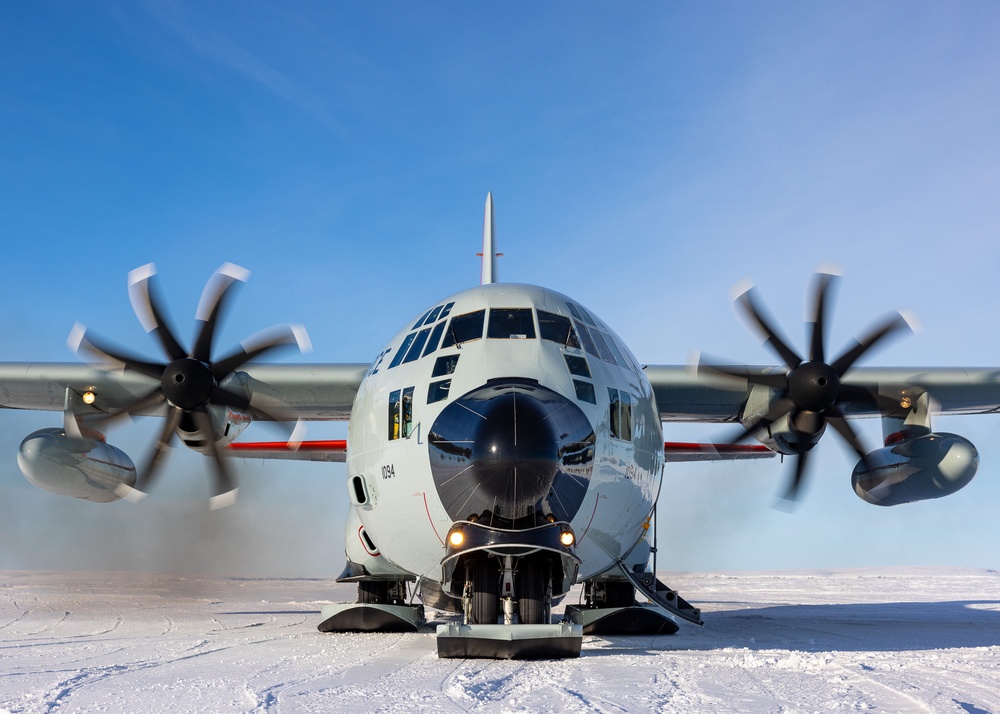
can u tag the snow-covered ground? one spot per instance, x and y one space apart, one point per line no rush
899 640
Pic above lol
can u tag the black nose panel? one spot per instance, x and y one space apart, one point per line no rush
511 454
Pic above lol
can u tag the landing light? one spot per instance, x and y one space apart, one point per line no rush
456 538
567 538
89 397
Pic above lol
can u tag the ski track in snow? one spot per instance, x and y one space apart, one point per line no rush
896 640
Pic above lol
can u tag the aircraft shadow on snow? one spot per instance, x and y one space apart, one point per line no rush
853 627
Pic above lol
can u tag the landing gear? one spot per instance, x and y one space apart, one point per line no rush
373 592
382 592
610 609
610 593
534 587
381 607
521 590
482 587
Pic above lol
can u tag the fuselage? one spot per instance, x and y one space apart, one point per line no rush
509 405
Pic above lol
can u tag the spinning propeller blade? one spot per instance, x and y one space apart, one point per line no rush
189 381
811 393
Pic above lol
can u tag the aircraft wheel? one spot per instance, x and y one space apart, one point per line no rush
485 599
373 592
531 594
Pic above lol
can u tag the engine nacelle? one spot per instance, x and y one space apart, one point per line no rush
81 468
786 435
227 423
929 466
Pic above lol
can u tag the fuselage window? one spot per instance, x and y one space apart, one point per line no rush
557 328
394 399
438 391
418 344
464 328
407 411
585 391
511 324
625 422
614 412
432 343
400 413
445 365
620 414
577 365
401 353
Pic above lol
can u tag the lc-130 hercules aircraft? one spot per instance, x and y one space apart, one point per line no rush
505 445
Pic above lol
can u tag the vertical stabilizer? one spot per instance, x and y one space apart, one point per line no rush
489 274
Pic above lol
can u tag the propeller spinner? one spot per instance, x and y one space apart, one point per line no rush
190 382
812 393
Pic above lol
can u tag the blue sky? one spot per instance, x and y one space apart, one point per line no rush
644 157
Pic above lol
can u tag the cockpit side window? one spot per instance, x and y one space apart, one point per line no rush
511 324
602 346
619 357
577 365
557 328
588 342
418 344
444 366
432 343
402 350
580 314
464 328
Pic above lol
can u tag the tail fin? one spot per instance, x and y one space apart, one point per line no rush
490 255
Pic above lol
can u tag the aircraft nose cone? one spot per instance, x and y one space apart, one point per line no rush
511 454
515 455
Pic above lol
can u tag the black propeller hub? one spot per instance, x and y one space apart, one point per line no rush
188 383
813 386
811 396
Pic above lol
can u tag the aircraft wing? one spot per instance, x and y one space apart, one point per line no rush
322 392
684 394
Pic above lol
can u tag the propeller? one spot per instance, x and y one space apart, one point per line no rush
190 382
812 393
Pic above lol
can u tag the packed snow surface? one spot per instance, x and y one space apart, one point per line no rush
898 640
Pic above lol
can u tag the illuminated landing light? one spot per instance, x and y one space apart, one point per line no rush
89 397
567 538
456 538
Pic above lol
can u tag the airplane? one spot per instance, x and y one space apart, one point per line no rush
503 447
